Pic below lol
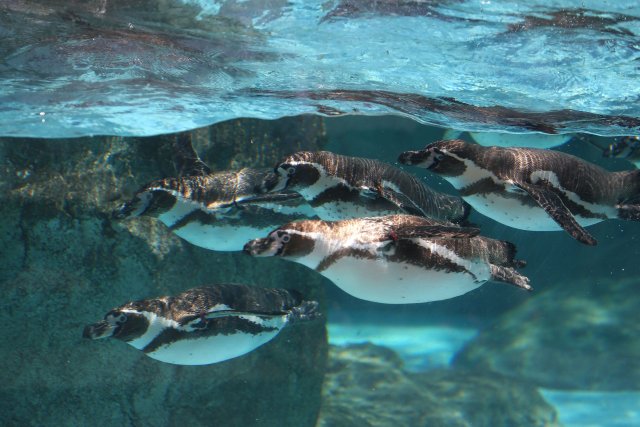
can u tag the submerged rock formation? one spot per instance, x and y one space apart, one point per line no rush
581 335
365 385
65 261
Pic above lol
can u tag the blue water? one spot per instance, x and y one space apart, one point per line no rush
108 67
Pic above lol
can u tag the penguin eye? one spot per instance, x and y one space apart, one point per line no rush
122 318
283 236
291 170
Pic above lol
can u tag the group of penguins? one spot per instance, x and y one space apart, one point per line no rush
374 230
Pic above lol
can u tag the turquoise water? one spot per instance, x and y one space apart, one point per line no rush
92 96
83 68
568 348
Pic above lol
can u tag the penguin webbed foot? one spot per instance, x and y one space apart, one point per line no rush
308 310
510 276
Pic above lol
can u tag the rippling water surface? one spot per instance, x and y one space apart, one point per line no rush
128 68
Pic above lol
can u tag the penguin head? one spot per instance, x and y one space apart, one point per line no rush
442 157
287 241
294 172
118 323
152 200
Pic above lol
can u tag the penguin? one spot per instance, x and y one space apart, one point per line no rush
219 211
395 259
342 187
533 189
204 325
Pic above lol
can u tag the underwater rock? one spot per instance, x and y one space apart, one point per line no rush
258 143
365 385
580 334
64 260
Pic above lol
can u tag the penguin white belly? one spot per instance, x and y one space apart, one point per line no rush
213 349
204 350
387 282
512 212
220 236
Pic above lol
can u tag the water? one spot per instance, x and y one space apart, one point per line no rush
82 68
379 78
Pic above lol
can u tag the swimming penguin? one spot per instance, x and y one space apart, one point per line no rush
218 211
395 259
204 325
343 187
532 189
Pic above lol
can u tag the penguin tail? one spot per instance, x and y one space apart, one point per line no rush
308 310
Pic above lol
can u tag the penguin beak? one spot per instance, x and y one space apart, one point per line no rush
427 158
413 157
102 329
134 207
261 247
123 211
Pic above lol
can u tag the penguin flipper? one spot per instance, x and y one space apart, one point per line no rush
510 276
185 158
543 194
200 321
403 202
433 232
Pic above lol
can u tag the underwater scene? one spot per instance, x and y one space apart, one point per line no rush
320 213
